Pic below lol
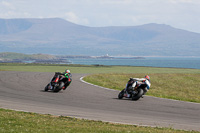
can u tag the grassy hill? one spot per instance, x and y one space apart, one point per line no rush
20 56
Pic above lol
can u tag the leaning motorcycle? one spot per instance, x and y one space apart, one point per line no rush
135 93
57 83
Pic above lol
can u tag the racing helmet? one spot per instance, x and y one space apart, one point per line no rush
147 77
67 71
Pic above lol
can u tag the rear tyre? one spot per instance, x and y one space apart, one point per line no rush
58 88
121 94
138 95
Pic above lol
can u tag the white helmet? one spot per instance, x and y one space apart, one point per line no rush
67 71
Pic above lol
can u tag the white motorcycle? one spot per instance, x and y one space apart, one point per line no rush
134 89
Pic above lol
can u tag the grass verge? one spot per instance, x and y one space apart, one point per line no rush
178 86
21 122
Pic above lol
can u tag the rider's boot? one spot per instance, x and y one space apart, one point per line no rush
126 94
50 87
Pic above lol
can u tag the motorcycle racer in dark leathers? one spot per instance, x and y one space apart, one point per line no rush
59 81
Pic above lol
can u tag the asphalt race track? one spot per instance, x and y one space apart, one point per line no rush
24 91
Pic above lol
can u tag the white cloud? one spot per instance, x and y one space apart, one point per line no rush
182 14
72 17
184 1
13 14
7 5
116 2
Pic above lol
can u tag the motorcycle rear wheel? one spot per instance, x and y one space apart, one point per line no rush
138 95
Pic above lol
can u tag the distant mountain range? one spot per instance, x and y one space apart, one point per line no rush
60 37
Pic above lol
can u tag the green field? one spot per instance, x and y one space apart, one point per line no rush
91 69
22 122
180 84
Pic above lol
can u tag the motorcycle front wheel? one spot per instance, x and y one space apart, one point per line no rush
121 94
46 88
138 95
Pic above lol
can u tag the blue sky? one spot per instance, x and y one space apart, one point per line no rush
182 14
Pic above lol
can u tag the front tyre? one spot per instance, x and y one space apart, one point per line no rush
46 88
121 94
138 95
58 88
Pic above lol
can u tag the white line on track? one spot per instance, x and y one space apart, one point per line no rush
81 79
